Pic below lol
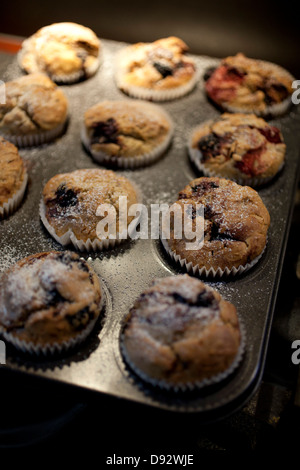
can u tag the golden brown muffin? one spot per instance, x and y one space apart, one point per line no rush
71 200
241 84
159 70
13 177
35 110
48 299
65 51
236 223
181 332
126 133
242 147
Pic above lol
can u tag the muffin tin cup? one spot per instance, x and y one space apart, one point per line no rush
13 203
211 272
188 386
34 140
196 156
129 162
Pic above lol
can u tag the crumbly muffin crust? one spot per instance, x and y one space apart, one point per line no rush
71 200
242 84
235 224
239 146
34 104
49 298
61 50
12 172
160 65
126 128
181 331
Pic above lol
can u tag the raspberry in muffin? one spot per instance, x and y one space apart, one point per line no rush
241 84
241 147
160 70
126 133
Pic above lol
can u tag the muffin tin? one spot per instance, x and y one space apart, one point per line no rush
127 270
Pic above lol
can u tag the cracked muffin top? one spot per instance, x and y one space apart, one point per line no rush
241 84
61 50
160 65
236 222
239 146
71 200
34 105
49 298
125 128
12 172
180 331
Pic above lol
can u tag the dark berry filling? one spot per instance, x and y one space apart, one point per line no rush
105 132
204 186
211 145
271 133
164 70
246 165
65 197
208 73
216 235
275 92
204 299
81 318
54 297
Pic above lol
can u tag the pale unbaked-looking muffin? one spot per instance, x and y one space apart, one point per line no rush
66 52
126 133
49 302
13 178
181 334
35 111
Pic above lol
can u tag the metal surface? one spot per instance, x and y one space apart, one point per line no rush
129 269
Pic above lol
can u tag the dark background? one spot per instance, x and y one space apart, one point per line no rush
262 29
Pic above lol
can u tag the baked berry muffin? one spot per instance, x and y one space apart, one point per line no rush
181 334
241 84
35 111
74 206
160 70
241 147
13 178
66 52
49 302
126 133
235 227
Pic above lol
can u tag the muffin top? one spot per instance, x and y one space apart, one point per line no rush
60 49
248 85
126 128
49 297
236 222
34 104
240 146
159 65
180 330
71 200
12 171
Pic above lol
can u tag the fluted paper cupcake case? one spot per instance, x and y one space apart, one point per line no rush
188 386
13 203
32 140
211 272
129 162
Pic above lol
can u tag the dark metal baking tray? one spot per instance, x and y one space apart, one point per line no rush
126 271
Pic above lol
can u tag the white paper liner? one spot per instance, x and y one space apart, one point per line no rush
13 203
188 386
196 156
211 272
129 162
32 140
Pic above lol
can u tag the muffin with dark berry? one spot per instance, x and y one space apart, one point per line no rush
49 302
181 334
241 147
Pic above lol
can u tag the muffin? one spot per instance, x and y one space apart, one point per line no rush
241 147
235 227
181 334
35 111
13 178
84 208
49 302
158 71
240 84
66 52
126 133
